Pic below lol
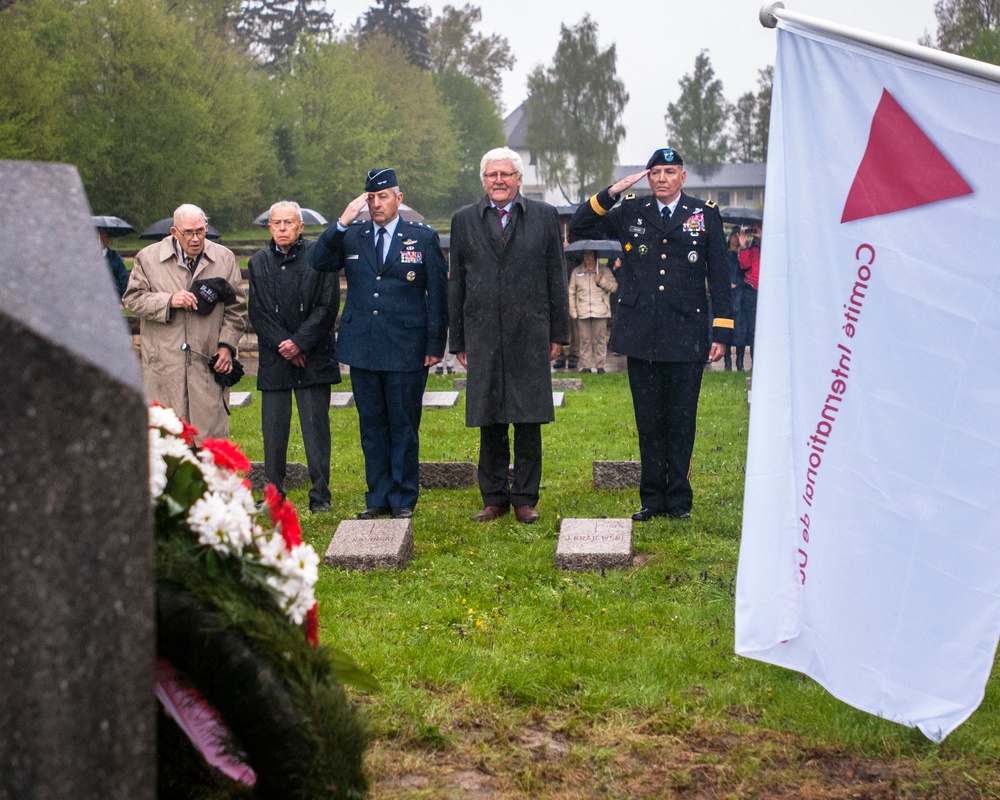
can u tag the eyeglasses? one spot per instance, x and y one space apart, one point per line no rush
199 232
492 176
283 223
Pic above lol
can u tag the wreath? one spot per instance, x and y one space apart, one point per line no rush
251 705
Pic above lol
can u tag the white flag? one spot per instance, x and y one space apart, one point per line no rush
870 557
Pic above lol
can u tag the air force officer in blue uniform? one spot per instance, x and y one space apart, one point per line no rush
394 326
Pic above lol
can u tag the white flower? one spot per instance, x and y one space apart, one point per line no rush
220 524
166 418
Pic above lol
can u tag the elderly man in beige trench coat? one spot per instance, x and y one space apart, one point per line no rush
160 293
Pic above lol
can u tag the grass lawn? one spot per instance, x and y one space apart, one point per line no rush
504 677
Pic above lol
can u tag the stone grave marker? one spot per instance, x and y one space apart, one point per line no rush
368 544
617 474
296 476
558 399
240 399
77 637
594 544
448 475
341 399
440 399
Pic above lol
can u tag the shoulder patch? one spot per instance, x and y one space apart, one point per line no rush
710 204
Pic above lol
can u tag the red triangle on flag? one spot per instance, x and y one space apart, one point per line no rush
901 168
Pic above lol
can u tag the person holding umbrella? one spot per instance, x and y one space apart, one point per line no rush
108 227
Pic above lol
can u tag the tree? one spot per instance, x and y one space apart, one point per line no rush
960 21
423 142
406 26
696 122
742 140
274 29
331 126
762 122
574 113
153 111
750 119
478 127
453 45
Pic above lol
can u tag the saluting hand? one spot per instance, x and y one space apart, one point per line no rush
354 208
628 182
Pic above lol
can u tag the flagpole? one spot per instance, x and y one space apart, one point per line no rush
772 12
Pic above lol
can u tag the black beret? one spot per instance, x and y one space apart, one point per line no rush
665 156
379 179
210 291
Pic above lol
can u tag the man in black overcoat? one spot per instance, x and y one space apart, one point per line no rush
674 263
508 309
394 327
293 310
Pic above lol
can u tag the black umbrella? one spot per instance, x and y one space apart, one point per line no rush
309 217
602 247
113 226
162 228
741 215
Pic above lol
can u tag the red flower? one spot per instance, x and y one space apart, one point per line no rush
188 433
283 516
312 625
227 454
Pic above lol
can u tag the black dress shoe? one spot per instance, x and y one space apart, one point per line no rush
645 514
679 514
402 513
374 512
319 508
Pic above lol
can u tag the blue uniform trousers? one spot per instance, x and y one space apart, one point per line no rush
389 405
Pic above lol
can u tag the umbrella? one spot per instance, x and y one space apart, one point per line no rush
309 217
405 212
162 228
603 247
741 215
114 226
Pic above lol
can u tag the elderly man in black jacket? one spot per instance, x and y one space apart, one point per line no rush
509 317
293 310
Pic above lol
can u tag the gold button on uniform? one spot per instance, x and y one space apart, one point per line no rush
663 272
661 289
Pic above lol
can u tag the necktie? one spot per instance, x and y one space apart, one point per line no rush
379 242
191 262
504 213
666 214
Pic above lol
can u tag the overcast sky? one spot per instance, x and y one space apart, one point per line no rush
658 40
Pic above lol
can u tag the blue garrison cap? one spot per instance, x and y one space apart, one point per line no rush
665 156
379 179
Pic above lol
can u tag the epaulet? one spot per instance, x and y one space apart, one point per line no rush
630 196
710 204
422 225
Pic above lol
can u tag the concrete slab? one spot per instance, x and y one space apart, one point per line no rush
587 545
240 399
617 474
440 399
369 544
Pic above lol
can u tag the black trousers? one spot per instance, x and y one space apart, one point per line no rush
313 403
494 461
665 397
